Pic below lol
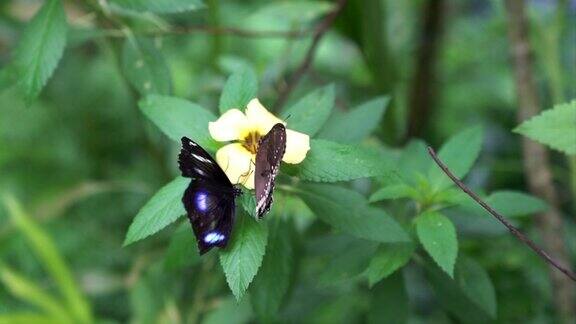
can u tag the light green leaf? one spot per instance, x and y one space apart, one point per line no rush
145 67
414 161
240 88
248 202
182 250
164 208
554 127
356 124
243 256
29 292
469 296
272 281
512 203
389 301
459 153
438 236
388 259
46 251
394 191
40 48
178 117
347 211
331 162
159 6
310 113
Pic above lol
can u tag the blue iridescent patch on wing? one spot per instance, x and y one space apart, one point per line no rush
202 201
213 237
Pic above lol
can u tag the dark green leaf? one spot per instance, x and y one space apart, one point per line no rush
389 301
243 256
310 113
330 162
511 203
554 127
240 88
356 124
459 153
159 6
161 210
40 48
347 211
438 236
178 117
182 251
348 263
145 67
470 296
273 279
388 259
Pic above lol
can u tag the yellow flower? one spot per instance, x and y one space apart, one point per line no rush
245 129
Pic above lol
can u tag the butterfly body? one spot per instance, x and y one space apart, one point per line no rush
271 149
209 199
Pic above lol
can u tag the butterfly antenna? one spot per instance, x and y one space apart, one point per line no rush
247 174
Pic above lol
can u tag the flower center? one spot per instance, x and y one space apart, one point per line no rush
250 142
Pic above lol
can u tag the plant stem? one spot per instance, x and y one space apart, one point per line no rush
501 218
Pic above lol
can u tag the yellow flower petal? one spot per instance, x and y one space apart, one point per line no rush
297 145
230 126
236 161
261 119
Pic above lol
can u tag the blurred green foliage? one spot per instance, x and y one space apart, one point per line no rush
93 106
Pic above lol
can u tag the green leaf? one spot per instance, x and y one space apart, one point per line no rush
248 202
309 114
331 162
512 203
182 251
46 251
389 301
388 259
29 292
438 236
40 48
348 263
178 117
394 191
459 153
145 67
159 6
356 124
347 211
414 161
470 296
240 88
554 127
273 279
244 254
27 318
164 208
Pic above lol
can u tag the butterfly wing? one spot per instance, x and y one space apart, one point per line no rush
209 199
211 213
268 157
196 163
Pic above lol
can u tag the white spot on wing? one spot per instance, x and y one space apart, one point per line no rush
213 237
200 158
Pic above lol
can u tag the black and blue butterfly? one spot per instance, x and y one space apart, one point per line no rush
209 200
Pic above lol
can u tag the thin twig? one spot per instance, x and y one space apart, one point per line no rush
188 30
501 218
307 61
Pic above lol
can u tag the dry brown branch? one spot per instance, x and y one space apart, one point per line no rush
309 57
